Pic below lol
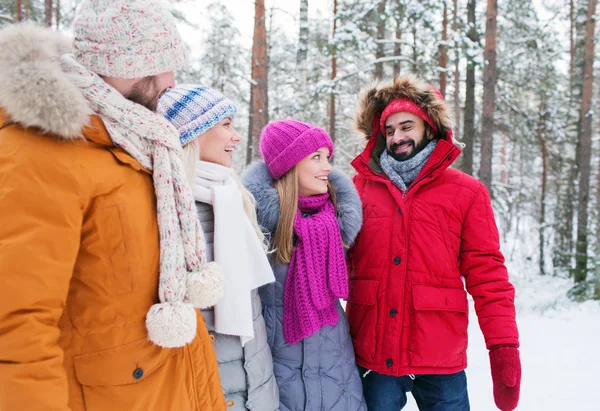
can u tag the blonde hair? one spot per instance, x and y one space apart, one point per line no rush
287 188
191 156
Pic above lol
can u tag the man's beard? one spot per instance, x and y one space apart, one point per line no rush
404 155
145 93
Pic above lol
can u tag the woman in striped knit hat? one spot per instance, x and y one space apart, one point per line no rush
204 119
310 212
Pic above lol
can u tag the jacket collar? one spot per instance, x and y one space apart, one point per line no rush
367 163
258 181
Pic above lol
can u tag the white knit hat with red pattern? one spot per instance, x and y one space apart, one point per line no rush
127 38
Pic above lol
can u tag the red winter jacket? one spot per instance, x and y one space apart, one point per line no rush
411 262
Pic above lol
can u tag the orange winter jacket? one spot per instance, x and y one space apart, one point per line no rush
79 263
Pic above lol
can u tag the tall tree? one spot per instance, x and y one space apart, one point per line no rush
585 151
469 120
444 51
456 96
489 95
19 4
259 103
332 122
399 13
380 36
541 136
571 42
57 14
49 12
302 52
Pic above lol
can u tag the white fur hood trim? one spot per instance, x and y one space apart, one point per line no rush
34 91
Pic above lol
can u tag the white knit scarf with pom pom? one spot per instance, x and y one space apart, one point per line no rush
186 279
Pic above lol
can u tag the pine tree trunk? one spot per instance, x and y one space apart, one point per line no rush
444 52
398 45
503 158
259 112
49 13
19 5
380 36
57 14
27 6
332 123
571 43
456 97
469 121
415 51
302 52
544 152
489 96
586 146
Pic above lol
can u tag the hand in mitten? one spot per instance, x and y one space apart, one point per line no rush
506 375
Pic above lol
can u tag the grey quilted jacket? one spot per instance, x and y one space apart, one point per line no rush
319 372
246 372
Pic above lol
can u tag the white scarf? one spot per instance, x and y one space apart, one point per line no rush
186 279
237 250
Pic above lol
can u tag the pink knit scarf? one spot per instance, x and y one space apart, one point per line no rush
317 273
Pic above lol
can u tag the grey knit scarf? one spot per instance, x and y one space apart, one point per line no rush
403 173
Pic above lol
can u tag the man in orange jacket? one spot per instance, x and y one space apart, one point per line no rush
102 259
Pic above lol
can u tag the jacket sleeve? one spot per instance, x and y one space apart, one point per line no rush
482 265
41 214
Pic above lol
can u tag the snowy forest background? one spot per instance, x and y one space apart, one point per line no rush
520 77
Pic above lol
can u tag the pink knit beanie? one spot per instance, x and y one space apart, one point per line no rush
127 38
284 143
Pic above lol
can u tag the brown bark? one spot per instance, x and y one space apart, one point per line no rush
544 152
489 96
469 120
378 74
57 14
48 11
333 76
19 6
444 52
259 107
585 151
456 96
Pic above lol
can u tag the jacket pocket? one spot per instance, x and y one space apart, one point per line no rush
362 317
110 226
138 376
438 327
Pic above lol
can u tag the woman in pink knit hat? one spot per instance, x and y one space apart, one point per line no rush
310 213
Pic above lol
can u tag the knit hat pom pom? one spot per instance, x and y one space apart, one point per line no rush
205 287
172 324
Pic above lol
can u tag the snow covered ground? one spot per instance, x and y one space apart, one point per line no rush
560 350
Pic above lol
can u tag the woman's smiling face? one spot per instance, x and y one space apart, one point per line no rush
313 171
218 143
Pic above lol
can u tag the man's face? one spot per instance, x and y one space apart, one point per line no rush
147 91
405 135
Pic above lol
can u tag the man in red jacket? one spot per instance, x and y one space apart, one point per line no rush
428 233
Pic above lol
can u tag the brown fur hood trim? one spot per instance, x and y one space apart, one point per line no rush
375 99
34 91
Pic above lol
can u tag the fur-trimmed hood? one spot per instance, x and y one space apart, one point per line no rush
348 205
34 90
376 98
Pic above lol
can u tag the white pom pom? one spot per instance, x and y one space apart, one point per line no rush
205 287
171 324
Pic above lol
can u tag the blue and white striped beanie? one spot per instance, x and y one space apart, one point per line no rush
194 109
